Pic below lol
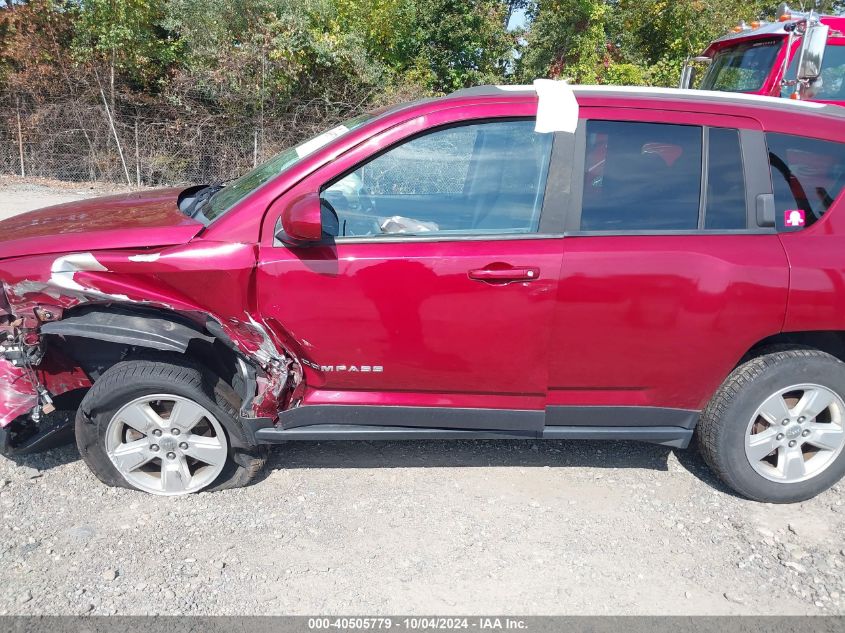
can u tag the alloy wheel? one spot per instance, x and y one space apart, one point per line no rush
796 433
166 444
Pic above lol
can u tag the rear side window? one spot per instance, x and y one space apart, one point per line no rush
807 176
641 176
725 181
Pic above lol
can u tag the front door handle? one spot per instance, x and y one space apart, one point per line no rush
498 274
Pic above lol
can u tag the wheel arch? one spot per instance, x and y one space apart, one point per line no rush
125 332
146 327
829 341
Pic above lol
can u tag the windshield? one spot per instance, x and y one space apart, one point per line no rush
742 68
231 194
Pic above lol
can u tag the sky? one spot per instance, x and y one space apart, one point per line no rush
517 19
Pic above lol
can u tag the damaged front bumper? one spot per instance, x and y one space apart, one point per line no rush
18 393
19 399
28 421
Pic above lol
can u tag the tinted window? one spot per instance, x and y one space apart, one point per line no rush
725 181
742 68
807 176
641 176
480 178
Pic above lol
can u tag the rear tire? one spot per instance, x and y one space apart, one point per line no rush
166 427
775 429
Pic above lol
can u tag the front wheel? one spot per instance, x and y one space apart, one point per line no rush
167 428
775 430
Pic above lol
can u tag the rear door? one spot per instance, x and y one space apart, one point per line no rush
667 278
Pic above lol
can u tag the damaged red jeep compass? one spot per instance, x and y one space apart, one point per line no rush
587 263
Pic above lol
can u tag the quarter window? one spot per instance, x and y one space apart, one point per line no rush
807 176
641 176
483 178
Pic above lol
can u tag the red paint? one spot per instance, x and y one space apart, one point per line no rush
630 320
17 393
412 308
660 320
134 220
301 220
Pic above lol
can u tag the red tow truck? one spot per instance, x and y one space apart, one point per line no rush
798 56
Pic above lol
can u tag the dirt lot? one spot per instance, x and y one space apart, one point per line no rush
418 527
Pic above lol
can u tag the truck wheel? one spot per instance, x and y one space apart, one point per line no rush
775 430
167 428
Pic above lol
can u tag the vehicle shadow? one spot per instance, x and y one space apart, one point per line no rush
489 453
451 454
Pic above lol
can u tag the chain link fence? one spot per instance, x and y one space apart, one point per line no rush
86 139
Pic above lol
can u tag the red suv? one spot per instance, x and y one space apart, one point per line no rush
444 270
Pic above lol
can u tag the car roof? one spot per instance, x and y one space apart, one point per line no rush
666 96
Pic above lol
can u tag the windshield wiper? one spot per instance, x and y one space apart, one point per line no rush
202 197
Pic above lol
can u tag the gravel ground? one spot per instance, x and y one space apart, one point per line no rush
419 527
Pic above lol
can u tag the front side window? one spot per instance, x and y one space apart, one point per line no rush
742 68
641 177
807 176
474 179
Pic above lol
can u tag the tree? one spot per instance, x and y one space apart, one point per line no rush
271 51
439 45
127 36
565 39
34 38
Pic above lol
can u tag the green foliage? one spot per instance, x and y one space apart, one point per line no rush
271 49
127 35
630 41
251 56
438 45
566 39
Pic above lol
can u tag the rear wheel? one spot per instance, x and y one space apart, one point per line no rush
165 428
775 430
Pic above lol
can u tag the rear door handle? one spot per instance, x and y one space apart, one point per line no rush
500 275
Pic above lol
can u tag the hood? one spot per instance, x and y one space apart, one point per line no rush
134 220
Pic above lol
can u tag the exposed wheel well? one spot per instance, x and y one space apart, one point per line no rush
830 341
120 343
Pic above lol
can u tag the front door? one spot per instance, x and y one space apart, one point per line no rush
437 290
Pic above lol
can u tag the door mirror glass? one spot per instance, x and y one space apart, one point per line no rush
812 51
301 220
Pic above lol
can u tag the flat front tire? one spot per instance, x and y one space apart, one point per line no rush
775 430
165 427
